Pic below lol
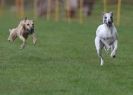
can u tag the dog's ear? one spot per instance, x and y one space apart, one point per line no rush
33 19
103 13
111 13
25 18
24 27
22 24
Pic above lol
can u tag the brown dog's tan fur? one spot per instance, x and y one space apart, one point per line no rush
24 29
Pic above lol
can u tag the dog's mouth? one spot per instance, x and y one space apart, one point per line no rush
31 30
109 23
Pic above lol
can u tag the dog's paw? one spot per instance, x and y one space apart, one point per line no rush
102 62
22 46
34 44
114 56
8 40
34 41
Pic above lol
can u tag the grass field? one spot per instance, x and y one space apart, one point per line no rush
64 60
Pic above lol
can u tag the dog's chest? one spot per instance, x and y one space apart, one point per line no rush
25 35
109 35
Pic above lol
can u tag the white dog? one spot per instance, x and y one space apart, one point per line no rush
23 30
106 36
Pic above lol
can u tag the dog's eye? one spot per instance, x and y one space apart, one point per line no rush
105 17
28 24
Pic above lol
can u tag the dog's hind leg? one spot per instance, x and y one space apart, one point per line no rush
24 42
105 43
12 35
99 45
106 50
114 49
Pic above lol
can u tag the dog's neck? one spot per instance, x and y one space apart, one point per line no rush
109 28
20 27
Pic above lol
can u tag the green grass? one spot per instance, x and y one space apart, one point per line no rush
64 60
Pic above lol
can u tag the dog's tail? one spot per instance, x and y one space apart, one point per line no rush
10 30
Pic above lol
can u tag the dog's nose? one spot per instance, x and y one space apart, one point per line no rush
109 22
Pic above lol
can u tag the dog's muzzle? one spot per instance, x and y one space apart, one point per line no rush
31 30
109 23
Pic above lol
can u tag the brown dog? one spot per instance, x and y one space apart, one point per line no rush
24 29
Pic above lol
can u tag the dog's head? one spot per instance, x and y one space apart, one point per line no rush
108 18
28 25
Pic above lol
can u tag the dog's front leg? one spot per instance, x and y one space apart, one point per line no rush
107 47
24 42
34 38
9 38
115 45
99 45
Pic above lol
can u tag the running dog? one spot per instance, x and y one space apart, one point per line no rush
106 37
23 30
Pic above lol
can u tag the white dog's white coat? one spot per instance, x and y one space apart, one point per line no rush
106 37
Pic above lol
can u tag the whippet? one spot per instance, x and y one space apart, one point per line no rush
23 30
106 37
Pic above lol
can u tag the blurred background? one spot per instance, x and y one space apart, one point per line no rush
62 9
